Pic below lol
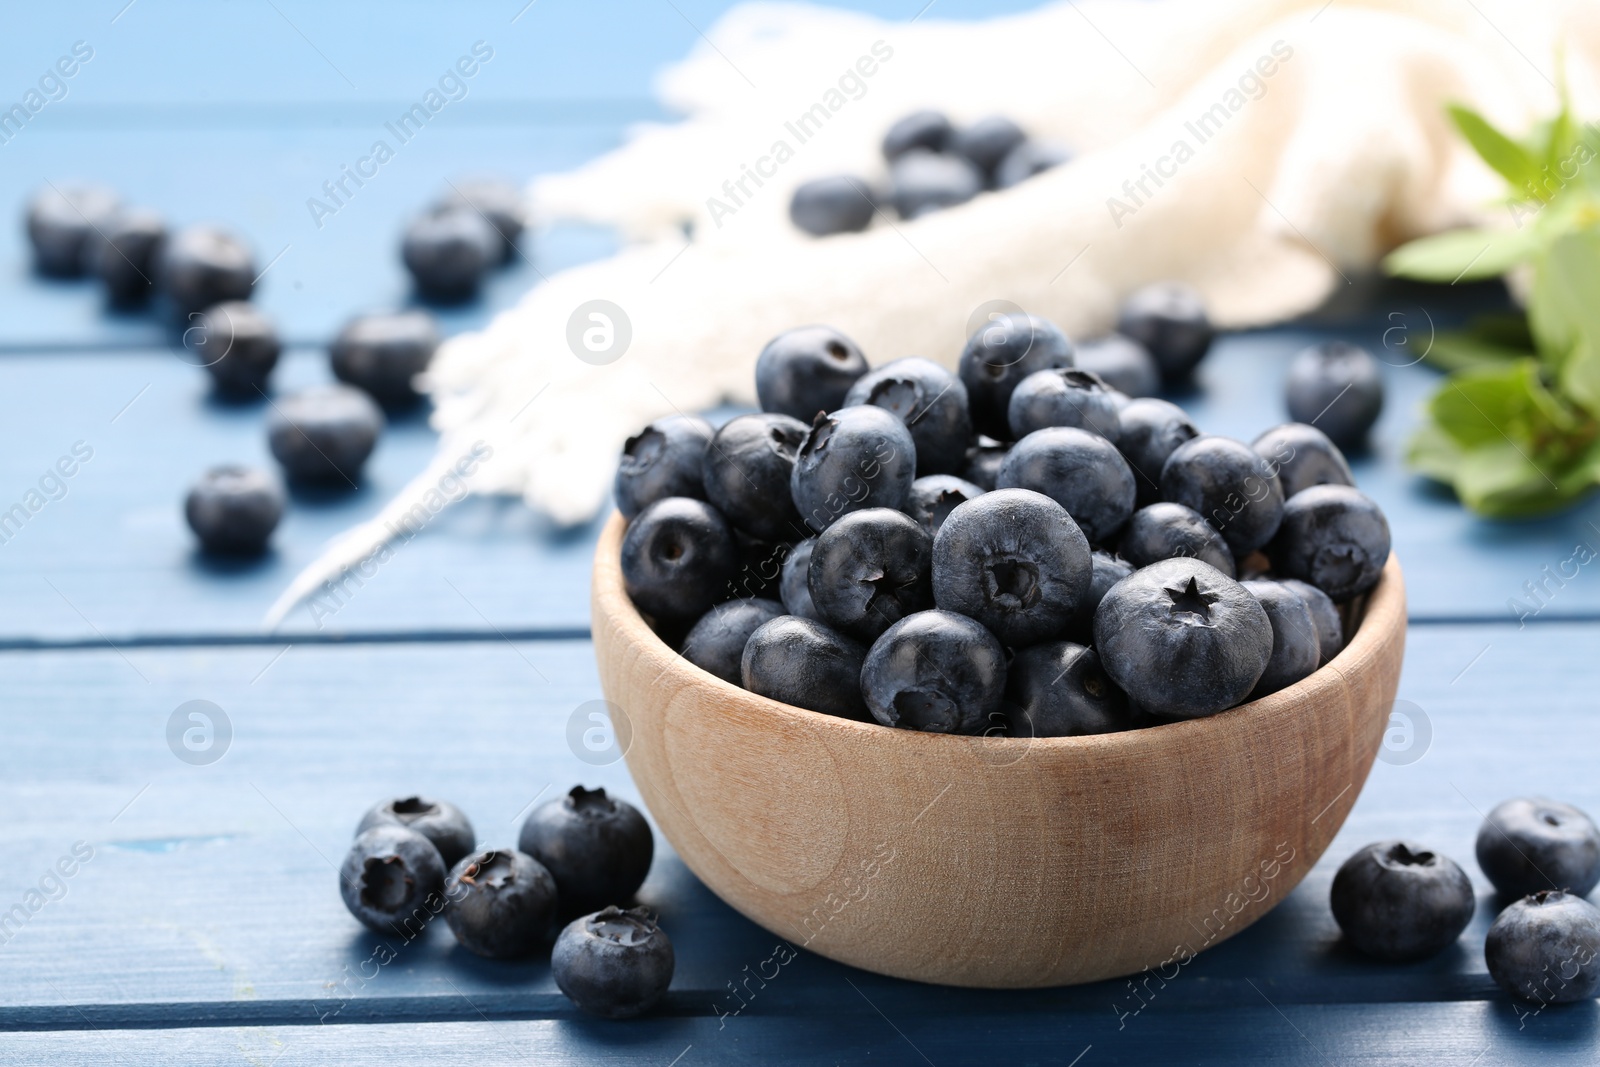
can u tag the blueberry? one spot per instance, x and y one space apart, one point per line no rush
921 129
987 142
63 224
933 499
1303 456
1122 363
1108 571
124 255
1060 690
677 556
597 848
1324 615
1081 471
1183 639
1296 645
614 963
793 584
1150 431
234 510
747 470
239 347
1543 948
1231 487
497 202
1063 397
1015 561
1169 319
666 458
383 353
922 182
760 567
806 370
1339 388
1029 159
1398 901
1530 844
838 204
324 434
500 903
448 251
716 643
1172 531
439 821
1334 537
855 458
930 401
392 880
869 570
935 671
202 266
806 663
996 359
983 461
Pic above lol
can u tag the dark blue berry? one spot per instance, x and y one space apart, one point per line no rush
922 182
666 458
62 226
760 567
869 570
500 903
124 255
392 880
935 671
920 129
1334 537
499 203
807 370
1544 947
716 643
1015 561
837 204
1063 397
1151 430
597 848
1170 531
987 142
1122 363
1230 486
448 251
794 586
1060 690
934 497
1296 645
677 558
383 354
233 510
324 434
1108 571
1183 639
1028 159
1398 901
615 964
930 401
983 462
998 356
855 458
1303 456
808 664
239 347
748 467
1337 387
1169 319
202 266
1324 615
1528 844
1081 471
438 820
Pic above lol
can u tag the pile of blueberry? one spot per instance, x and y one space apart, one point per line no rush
932 165
1401 902
1018 547
581 858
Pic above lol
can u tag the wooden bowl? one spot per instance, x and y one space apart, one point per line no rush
994 861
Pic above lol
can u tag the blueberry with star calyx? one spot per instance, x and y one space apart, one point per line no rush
935 671
869 570
1528 844
932 403
678 557
1546 948
1398 901
934 497
806 370
614 963
500 903
596 847
1334 537
747 468
855 458
1063 397
666 458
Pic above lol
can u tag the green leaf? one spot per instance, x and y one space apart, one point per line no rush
1564 313
1505 155
1431 452
1503 481
1456 350
1462 255
1486 406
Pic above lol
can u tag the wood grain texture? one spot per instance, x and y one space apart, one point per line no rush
996 862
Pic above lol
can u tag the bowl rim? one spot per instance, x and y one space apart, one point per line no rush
1377 611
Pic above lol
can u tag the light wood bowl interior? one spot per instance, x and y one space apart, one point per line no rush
995 862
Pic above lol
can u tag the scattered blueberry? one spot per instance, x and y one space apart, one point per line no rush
928 130
983 461
987 142
838 204
1015 561
998 356
202 266
1169 319
1150 431
1296 645
1334 537
1543 948
922 182
439 821
1081 471
238 345
124 256
935 671
499 203
1338 388
500 903
383 354
392 880
935 496
616 964
930 401
677 556
869 570
664 459
1303 456
1183 639
747 470
1530 844
794 584
1028 159
716 643
1398 901
806 370
1122 363
597 848
1324 615
233 510
1230 486
1108 571
324 434
1172 531
1060 690
448 251
858 457
808 664
1063 396
63 224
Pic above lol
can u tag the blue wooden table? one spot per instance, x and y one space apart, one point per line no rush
205 926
